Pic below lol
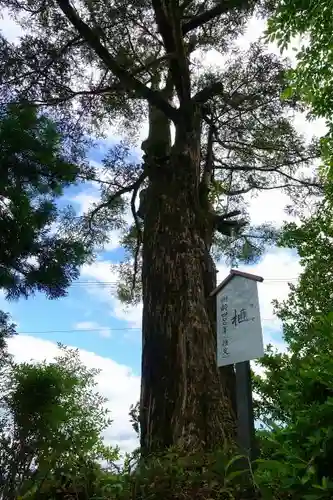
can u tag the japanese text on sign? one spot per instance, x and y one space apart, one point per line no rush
224 316
239 334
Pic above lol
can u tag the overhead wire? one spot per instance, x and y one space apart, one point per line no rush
114 283
74 330
100 329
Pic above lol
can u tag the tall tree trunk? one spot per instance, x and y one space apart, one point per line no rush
182 401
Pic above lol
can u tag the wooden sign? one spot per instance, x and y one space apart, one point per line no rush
239 332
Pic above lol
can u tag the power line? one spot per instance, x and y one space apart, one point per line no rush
72 330
102 328
112 284
115 283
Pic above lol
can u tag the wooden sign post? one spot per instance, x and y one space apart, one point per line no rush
239 339
245 427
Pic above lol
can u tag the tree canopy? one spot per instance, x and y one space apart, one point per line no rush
51 424
295 405
312 77
36 252
216 133
97 63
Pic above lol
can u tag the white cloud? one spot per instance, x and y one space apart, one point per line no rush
131 314
276 267
9 28
269 206
103 331
100 270
107 276
116 382
85 200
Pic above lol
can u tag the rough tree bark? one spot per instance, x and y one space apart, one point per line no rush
182 400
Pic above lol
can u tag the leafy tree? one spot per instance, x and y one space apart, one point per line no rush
103 63
7 330
310 21
311 80
296 393
36 251
53 425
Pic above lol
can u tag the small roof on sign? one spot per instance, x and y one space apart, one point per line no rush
235 272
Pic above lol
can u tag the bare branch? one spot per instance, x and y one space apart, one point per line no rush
129 81
233 213
303 182
237 192
263 170
208 173
137 22
255 236
205 94
138 235
134 186
99 90
186 3
222 7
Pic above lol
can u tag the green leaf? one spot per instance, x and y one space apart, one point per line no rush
287 93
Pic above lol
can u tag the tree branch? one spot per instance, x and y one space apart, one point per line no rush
221 8
98 90
256 236
134 186
129 81
233 213
208 173
237 192
276 169
303 182
205 94
186 3
168 20
138 235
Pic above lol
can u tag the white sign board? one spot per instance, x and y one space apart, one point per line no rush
239 333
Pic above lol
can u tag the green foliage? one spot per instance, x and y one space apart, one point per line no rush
312 22
288 477
255 145
36 252
7 330
53 425
175 475
296 395
311 80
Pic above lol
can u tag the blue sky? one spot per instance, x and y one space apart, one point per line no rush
108 334
85 317
92 319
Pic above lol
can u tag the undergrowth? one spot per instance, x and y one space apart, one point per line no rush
176 476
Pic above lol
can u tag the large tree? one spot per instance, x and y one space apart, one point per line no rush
38 252
118 62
